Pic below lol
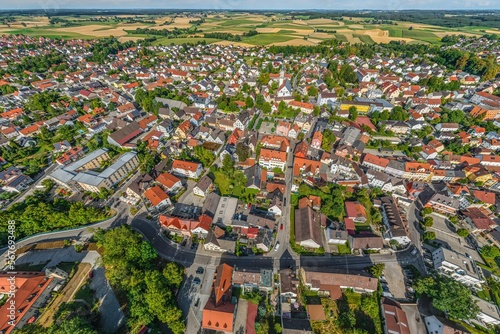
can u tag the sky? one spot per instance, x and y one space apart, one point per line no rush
51 5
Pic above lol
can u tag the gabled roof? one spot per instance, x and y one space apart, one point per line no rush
155 195
167 179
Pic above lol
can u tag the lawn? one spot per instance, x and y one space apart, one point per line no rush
49 33
365 39
68 267
344 249
85 293
365 309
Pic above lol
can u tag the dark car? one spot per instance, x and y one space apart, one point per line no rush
196 280
200 270
91 274
184 243
194 245
197 303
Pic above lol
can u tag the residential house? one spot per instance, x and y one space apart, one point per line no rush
218 313
308 227
157 197
330 284
187 169
170 183
395 320
203 187
365 242
355 211
458 267
271 159
395 223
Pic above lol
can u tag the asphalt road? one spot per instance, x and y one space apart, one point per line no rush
187 257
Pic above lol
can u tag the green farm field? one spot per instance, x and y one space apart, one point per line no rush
277 29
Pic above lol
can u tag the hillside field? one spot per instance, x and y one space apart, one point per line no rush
275 29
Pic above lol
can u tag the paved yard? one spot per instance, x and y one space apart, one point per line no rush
240 322
266 127
395 279
415 321
56 256
446 237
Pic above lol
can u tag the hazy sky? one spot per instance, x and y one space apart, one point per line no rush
252 4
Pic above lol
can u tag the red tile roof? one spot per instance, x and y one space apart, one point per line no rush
155 195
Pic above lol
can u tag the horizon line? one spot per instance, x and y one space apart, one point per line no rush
252 10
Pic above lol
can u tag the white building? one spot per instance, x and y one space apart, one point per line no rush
458 267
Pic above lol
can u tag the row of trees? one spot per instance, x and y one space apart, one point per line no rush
36 214
133 268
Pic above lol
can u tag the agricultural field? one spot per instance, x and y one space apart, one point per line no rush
277 29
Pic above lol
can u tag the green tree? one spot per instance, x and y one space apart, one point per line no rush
266 108
75 325
428 221
304 190
353 113
228 165
377 269
249 102
312 91
448 296
490 251
463 232
429 235
243 151
174 274
427 211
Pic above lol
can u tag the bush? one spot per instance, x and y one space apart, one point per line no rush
426 211
463 232
429 235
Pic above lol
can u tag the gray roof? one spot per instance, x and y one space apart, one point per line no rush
86 159
307 225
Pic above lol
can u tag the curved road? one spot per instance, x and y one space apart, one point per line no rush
187 257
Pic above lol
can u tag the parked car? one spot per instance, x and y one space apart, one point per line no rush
91 274
196 280
277 246
281 226
200 270
197 302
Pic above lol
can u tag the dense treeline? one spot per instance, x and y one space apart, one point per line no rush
169 33
38 214
107 46
133 268
42 63
224 36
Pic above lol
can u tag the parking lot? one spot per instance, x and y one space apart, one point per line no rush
194 294
394 277
447 237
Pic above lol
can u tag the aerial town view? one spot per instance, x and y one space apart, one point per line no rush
249 167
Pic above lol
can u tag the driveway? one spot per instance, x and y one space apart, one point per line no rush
446 237
112 316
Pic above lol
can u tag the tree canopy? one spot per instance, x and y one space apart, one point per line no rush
448 296
132 267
